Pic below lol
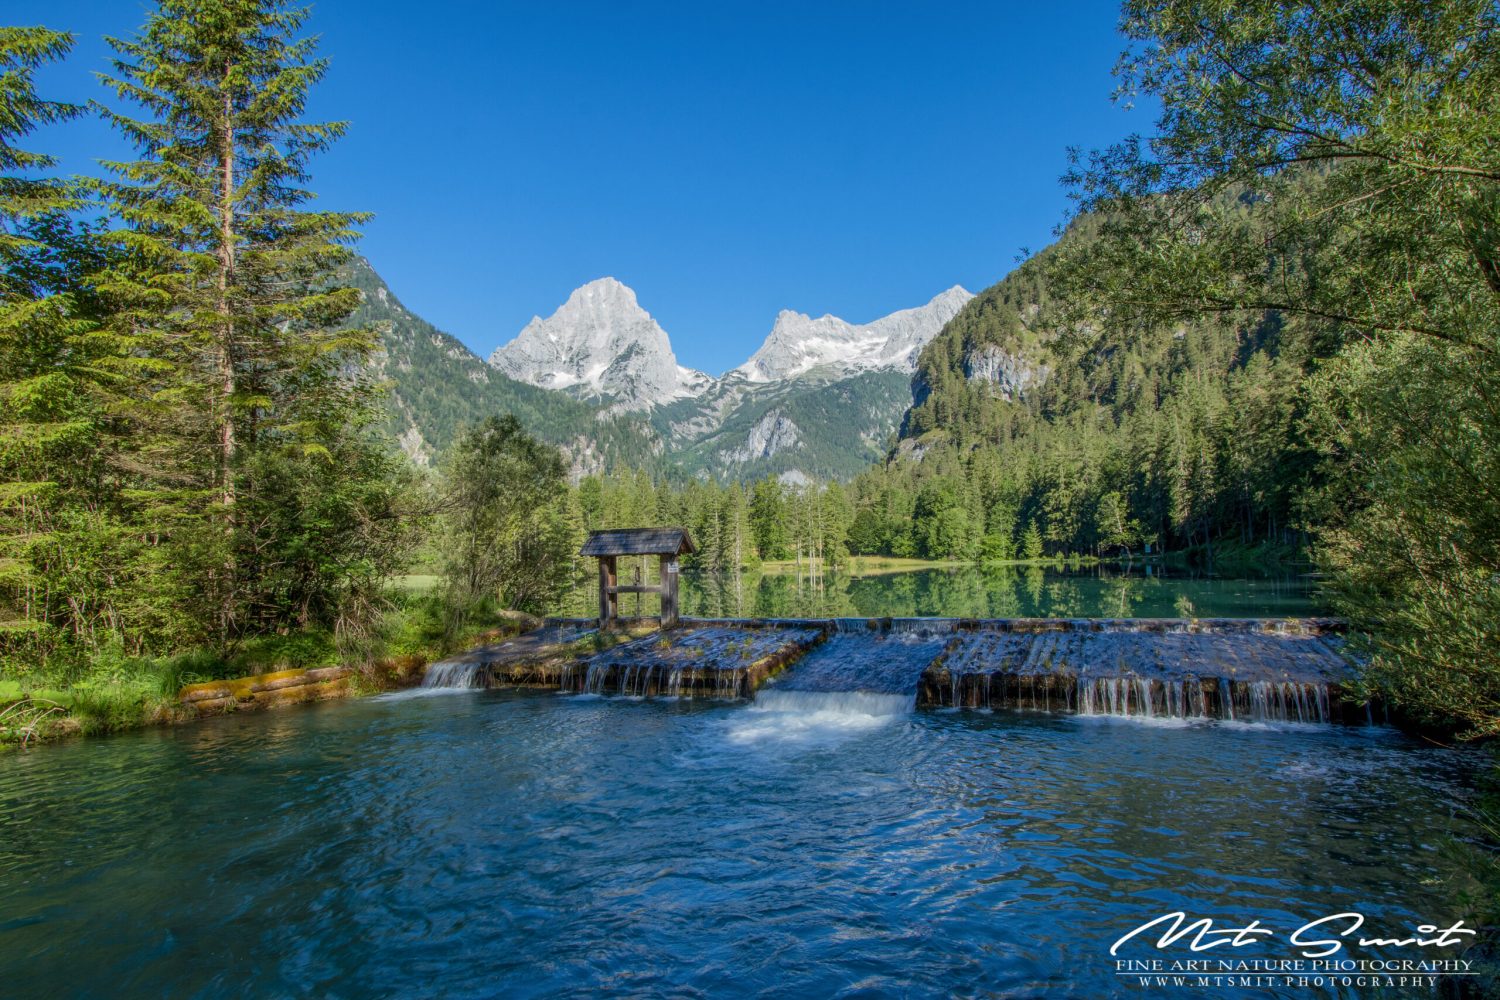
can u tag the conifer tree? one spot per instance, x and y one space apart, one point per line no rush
233 275
1031 542
740 547
48 425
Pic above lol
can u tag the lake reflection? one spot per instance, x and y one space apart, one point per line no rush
972 592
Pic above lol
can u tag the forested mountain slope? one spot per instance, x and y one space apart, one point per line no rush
828 422
802 428
436 386
1029 428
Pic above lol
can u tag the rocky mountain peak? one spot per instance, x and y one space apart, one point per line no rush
600 343
799 344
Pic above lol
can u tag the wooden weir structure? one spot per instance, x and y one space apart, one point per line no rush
667 544
1235 669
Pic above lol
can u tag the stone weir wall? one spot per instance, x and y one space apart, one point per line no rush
1284 670
1278 669
701 659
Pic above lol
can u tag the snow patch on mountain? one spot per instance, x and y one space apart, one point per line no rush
799 344
601 343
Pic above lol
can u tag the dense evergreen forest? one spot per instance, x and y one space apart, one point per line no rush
1268 331
1188 437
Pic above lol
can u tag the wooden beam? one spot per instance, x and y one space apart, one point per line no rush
668 591
609 602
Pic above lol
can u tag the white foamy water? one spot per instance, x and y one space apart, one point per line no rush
815 716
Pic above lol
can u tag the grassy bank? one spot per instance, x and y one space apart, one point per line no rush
110 692
863 565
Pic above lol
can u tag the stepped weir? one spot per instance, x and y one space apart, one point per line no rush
1233 669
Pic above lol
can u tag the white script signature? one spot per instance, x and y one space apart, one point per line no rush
1201 934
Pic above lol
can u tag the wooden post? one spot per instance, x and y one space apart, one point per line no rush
668 591
609 600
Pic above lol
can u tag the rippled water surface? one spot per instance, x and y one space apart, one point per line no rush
490 843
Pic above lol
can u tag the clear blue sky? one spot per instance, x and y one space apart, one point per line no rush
724 160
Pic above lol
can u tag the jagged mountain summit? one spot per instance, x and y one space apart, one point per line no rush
598 378
600 344
801 345
436 386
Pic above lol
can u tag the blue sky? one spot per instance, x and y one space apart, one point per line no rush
725 160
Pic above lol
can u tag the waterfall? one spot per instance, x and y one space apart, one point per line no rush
1194 698
598 671
1171 699
602 675
867 660
1287 701
1247 671
923 626
459 673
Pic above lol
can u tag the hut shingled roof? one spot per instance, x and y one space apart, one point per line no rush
638 542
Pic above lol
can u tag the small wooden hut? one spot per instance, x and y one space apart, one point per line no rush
667 544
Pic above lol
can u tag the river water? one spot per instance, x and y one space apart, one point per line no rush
487 843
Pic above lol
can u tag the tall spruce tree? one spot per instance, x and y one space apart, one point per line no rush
228 280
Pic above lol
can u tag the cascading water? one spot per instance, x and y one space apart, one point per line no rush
1287 701
461 673
1232 670
860 678
699 661
1245 671
1140 696
815 716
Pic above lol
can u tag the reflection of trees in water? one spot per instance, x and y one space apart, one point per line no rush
716 595
1063 599
1035 578
1000 592
969 592
1120 594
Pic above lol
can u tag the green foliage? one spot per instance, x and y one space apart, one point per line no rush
997 547
1031 542
55 531
769 527
188 454
216 257
1412 535
1179 438
511 528
730 528
1332 172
